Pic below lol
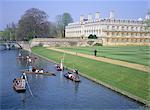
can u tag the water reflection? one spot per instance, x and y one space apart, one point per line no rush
76 84
23 97
61 76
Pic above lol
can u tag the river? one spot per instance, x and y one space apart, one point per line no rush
55 92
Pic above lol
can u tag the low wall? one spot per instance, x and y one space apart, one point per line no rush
67 42
64 42
57 42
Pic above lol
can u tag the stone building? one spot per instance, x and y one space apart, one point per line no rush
110 30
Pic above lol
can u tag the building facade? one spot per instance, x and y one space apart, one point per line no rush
111 30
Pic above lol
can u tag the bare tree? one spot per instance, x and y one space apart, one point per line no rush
33 24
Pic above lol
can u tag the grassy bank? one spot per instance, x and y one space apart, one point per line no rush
126 79
134 54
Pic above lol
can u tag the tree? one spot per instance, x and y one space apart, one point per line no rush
62 21
59 25
92 36
147 22
9 32
33 24
52 30
66 19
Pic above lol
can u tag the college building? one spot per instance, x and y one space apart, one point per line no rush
110 30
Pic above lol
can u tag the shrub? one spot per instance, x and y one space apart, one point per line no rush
98 44
40 44
90 42
92 36
73 43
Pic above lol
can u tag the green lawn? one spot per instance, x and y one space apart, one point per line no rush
134 81
134 54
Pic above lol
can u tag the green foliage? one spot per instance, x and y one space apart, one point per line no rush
98 44
90 42
147 23
9 32
73 43
41 44
66 19
92 36
62 21
130 80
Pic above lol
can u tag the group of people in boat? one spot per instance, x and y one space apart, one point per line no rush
58 68
28 58
19 84
70 75
73 75
33 69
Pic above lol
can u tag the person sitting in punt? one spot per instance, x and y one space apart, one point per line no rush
41 71
27 57
71 76
29 60
33 69
36 71
57 66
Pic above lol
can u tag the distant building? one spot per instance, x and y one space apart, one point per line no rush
110 29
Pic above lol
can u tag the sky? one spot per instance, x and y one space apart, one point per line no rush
12 10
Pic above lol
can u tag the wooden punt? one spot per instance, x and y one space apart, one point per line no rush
44 73
19 85
74 78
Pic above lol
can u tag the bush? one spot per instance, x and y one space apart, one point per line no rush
92 36
40 44
90 42
98 44
73 43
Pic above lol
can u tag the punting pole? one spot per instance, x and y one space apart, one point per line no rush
28 86
29 89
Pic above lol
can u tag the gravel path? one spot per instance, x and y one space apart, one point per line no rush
108 60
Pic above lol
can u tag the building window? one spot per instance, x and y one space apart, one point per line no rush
127 27
107 27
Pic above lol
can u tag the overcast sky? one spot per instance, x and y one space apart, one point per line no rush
12 10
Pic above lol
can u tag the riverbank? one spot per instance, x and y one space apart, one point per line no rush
130 82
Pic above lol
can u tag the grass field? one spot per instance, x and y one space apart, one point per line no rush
130 80
134 54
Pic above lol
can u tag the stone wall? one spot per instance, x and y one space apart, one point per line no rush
66 42
53 42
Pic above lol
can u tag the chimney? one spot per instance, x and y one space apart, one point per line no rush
97 15
112 15
81 18
89 17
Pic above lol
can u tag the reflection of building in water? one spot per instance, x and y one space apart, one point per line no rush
110 29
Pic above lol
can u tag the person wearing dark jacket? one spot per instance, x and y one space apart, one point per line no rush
95 52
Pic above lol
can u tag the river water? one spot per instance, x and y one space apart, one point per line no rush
55 92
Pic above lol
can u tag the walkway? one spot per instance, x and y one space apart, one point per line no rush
108 60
